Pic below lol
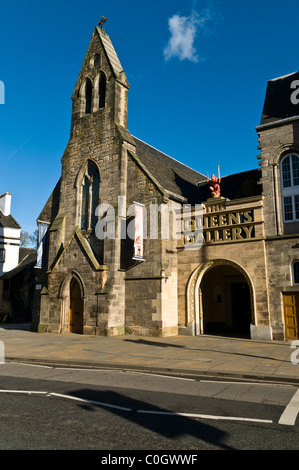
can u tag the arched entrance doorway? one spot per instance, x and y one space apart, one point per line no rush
75 308
226 302
220 299
72 294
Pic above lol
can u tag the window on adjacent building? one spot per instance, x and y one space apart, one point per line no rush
296 273
2 255
290 187
90 197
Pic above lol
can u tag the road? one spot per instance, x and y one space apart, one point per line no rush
52 408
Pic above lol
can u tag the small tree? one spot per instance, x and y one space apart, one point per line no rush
28 240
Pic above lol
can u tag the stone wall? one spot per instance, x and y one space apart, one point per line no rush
151 285
93 137
276 140
248 256
281 252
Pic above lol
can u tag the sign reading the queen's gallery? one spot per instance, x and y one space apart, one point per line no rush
228 226
223 226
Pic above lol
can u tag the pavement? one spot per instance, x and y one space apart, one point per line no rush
201 357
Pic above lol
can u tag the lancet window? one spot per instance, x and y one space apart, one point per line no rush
90 197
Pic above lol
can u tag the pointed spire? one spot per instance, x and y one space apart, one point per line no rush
109 49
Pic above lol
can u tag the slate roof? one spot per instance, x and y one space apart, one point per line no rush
278 104
50 209
27 260
173 176
238 185
7 221
177 179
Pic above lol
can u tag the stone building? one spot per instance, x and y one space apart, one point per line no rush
132 241
17 289
17 274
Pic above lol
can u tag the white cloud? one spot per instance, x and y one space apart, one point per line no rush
184 30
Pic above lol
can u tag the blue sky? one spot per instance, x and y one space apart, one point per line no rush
198 72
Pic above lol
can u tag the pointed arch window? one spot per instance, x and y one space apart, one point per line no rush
90 197
102 90
88 96
290 187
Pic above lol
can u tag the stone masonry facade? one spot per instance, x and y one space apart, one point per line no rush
225 271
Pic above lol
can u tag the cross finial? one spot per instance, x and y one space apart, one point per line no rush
101 23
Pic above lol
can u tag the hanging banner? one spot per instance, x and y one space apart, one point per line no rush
138 238
42 230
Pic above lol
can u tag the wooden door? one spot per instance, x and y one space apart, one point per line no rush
76 308
291 311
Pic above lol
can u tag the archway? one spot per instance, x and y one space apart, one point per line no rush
72 304
226 302
220 299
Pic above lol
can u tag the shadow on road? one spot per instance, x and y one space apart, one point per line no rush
171 428
16 326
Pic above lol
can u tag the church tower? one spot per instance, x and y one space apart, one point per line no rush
96 275
102 86
83 283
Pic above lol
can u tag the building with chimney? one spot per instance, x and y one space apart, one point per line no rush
10 233
133 241
17 275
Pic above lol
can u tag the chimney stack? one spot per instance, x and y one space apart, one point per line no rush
5 203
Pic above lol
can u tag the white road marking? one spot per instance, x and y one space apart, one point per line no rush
69 397
190 415
160 375
232 382
82 369
29 392
288 417
86 369
291 411
34 365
